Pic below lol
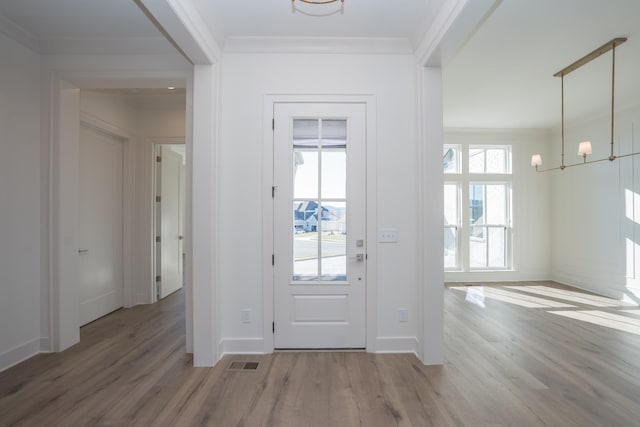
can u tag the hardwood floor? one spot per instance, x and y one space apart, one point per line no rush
536 354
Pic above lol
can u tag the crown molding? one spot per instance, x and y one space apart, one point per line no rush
328 45
454 23
115 46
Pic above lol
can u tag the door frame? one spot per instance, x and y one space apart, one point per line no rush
99 126
154 144
268 302
64 303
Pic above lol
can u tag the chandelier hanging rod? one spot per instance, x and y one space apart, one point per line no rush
590 56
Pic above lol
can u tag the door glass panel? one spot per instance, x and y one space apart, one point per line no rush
334 133
305 174
334 241
334 174
319 180
305 240
305 133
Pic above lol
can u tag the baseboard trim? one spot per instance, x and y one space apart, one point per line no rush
45 345
241 346
19 353
397 345
613 293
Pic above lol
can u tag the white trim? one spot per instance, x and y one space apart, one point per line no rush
267 207
241 346
183 24
19 353
347 45
204 216
397 345
495 276
431 209
451 28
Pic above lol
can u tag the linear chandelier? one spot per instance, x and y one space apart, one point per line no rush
584 148
295 9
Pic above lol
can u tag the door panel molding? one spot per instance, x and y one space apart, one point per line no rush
369 102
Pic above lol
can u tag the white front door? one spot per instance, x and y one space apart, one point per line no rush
170 183
319 225
100 260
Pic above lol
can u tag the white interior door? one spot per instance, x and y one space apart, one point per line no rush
319 225
171 185
100 261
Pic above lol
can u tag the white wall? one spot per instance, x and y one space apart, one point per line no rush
20 238
531 203
596 210
246 79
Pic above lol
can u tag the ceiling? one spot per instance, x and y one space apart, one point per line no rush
501 77
84 26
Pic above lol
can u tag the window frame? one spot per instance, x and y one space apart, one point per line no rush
463 178
508 228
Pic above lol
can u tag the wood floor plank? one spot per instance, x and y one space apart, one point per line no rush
512 358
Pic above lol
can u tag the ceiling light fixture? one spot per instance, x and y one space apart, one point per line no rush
584 148
295 9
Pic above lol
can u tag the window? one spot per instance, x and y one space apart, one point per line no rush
451 159
451 167
451 222
477 207
488 225
489 159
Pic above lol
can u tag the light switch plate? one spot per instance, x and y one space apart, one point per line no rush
246 315
403 314
388 235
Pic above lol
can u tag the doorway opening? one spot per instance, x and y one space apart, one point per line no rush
169 219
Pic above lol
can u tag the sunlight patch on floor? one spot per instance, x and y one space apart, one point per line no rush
601 318
634 311
573 296
501 294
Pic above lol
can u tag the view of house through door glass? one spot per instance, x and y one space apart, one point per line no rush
319 225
